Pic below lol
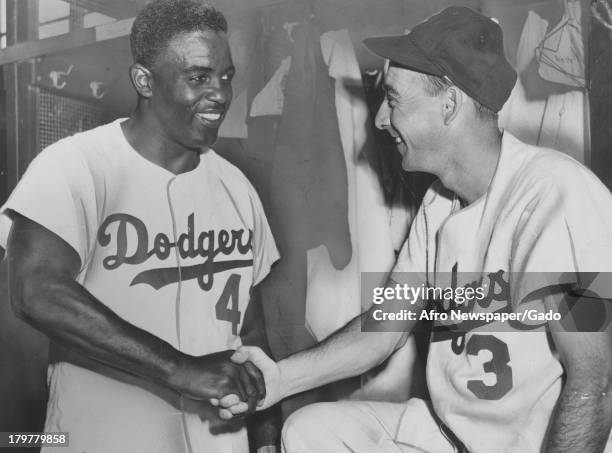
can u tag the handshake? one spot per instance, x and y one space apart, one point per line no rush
236 382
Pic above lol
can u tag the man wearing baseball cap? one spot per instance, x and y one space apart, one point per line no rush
523 222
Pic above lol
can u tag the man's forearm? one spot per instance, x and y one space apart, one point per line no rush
348 352
70 315
582 419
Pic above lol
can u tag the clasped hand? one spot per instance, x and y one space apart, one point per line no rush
213 376
232 403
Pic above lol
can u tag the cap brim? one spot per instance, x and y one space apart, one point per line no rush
402 51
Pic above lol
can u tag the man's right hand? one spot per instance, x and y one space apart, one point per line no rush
231 405
213 376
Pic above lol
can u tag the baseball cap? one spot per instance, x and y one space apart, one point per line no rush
457 43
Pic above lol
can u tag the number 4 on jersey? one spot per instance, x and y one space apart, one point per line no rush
230 297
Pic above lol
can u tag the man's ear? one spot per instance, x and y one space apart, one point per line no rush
142 79
453 101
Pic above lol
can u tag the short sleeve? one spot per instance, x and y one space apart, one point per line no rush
565 237
265 252
411 263
56 192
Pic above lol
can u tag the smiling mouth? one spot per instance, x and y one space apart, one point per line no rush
210 117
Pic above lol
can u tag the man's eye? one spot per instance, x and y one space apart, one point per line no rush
200 78
227 77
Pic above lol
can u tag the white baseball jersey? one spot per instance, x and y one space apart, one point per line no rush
545 216
175 255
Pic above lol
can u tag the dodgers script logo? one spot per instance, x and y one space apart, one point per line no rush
466 339
208 245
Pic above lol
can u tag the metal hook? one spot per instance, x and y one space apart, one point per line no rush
288 27
55 77
95 89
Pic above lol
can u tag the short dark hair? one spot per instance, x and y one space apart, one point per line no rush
434 85
161 20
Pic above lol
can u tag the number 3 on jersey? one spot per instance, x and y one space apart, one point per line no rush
497 365
227 306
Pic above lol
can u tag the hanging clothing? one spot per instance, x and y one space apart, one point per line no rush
234 124
522 114
270 100
536 112
243 41
561 51
368 215
308 179
563 124
307 188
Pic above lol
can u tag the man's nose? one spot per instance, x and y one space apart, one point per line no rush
220 93
382 116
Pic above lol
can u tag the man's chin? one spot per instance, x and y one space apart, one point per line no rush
207 140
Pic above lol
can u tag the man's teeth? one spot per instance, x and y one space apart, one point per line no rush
210 116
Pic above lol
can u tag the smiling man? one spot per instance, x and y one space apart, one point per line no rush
136 249
525 222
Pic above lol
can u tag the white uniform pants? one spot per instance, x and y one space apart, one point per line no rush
365 427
